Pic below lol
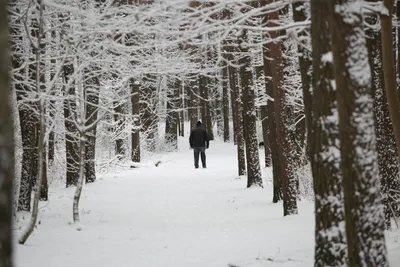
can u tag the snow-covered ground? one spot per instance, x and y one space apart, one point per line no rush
175 215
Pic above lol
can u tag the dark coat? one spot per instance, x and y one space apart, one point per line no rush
199 138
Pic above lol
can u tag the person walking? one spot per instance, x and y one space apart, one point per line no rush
199 142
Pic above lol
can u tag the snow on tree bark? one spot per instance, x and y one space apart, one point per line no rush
386 144
305 62
92 91
148 117
6 147
249 116
283 124
363 208
225 98
240 143
330 235
135 154
71 132
272 136
27 118
171 124
40 89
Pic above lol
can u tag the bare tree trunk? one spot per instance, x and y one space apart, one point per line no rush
79 186
225 100
192 91
239 126
71 132
386 145
305 62
6 147
92 91
272 133
283 124
203 102
389 71
250 118
362 200
119 110
42 128
148 118
171 125
330 245
181 115
28 118
232 84
135 155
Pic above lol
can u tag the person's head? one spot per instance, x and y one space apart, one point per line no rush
198 124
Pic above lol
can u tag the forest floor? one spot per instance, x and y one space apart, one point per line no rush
174 215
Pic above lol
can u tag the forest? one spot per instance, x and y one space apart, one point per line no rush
302 95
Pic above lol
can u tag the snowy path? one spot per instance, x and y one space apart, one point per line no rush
172 215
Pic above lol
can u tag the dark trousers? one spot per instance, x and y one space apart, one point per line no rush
202 152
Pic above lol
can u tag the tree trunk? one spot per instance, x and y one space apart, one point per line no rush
225 100
79 186
192 91
92 91
71 132
40 88
232 85
182 107
119 110
363 208
250 118
283 124
6 148
385 142
389 71
171 125
305 62
272 133
203 102
135 155
239 127
398 46
148 101
330 236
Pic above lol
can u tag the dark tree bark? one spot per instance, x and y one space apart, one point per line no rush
203 102
6 147
92 91
26 116
239 126
225 100
232 85
389 71
171 124
249 117
330 236
271 125
148 117
207 110
305 62
362 200
135 155
385 142
181 115
259 70
119 110
283 124
71 132
28 135
192 91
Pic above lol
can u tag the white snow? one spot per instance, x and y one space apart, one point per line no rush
174 215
